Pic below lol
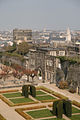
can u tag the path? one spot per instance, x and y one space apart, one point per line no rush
8 112
63 92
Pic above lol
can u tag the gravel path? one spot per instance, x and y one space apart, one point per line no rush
8 112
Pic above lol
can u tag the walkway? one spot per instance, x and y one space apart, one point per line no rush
8 112
63 92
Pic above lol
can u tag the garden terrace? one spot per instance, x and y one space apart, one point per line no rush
16 99
42 112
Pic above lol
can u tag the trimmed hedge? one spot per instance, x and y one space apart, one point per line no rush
59 109
25 90
62 106
8 91
67 107
33 91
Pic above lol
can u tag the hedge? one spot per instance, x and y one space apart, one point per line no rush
33 91
8 91
59 111
67 107
55 107
25 90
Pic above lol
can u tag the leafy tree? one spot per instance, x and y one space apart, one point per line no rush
23 48
28 73
11 48
33 74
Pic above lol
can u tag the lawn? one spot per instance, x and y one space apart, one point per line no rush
45 97
21 100
40 113
75 117
40 92
54 119
10 95
75 110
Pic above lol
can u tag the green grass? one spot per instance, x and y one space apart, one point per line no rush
75 110
21 100
46 97
54 119
40 92
40 113
75 117
10 95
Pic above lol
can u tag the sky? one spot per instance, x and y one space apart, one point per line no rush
39 14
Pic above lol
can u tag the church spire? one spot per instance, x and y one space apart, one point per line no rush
68 36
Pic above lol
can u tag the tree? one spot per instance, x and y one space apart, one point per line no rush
17 67
3 75
63 84
23 48
33 74
17 74
11 48
28 73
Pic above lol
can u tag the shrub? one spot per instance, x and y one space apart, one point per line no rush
55 107
63 84
67 106
25 90
72 90
60 109
33 91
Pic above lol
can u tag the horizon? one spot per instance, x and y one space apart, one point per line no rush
37 15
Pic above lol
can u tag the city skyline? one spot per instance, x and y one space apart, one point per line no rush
38 14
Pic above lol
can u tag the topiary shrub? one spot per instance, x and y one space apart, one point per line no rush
63 84
60 109
67 106
72 90
25 90
55 107
33 90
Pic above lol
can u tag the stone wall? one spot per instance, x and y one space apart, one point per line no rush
71 73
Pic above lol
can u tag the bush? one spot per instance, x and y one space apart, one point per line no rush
72 90
60 109
33 91
67 106
55 107
25 91
63 84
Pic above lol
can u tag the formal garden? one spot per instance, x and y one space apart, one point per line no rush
45 104
54 112
28 95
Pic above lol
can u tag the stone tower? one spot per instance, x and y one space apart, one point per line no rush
68 36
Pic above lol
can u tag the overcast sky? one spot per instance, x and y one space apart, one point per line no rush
39 14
